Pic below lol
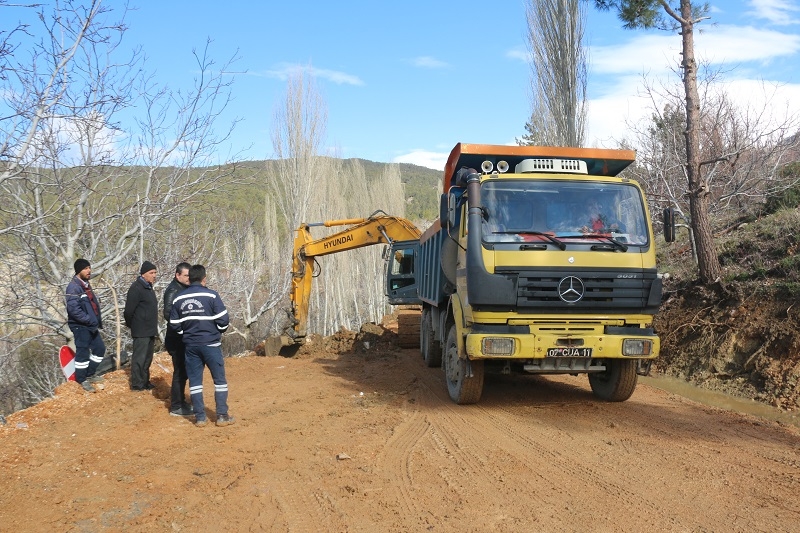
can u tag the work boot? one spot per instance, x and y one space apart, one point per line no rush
201 423
181 411
95 378
225 420
87 386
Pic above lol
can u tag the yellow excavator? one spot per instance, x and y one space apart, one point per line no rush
378 228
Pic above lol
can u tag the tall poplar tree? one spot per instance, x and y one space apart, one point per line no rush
558 73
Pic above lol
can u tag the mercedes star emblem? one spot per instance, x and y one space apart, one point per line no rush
571 289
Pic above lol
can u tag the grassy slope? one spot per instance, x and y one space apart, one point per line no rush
743 335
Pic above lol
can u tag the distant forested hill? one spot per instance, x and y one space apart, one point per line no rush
422 188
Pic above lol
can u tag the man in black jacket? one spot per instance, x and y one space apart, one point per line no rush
141 315
174 345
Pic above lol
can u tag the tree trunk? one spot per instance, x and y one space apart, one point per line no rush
707 260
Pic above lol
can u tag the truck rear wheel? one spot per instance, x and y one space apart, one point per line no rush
431 350
617 382
463 388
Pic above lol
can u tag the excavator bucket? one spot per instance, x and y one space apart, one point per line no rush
278 345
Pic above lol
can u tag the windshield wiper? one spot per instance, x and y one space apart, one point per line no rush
547 236
617 244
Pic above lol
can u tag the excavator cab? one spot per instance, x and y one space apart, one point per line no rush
401 284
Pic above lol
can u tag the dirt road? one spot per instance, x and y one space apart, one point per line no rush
369 441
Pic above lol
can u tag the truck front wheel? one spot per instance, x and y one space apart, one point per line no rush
431 350
617 382
464 378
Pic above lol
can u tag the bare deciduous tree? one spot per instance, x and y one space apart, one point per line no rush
311 187
297 137
350 289
254 272
742 150
558 73
75 181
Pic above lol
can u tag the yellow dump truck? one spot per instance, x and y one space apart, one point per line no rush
542 261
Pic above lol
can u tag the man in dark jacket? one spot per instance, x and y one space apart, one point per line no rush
199 315
85 322
141 315
174 345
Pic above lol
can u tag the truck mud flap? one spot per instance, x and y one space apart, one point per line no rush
643 367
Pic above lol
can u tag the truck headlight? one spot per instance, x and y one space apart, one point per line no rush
497 346
637 347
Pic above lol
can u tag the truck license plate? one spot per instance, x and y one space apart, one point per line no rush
569 352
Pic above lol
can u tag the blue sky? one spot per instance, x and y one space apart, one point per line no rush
406 81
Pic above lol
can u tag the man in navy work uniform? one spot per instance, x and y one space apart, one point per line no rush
85 322
199 315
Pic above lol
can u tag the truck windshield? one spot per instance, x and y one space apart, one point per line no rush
526 210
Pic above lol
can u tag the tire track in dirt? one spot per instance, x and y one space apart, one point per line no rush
303 509
545 453
396 458
538 454
691 452
414 445
433 398
556 452
470 468
445 440
704 454
551 441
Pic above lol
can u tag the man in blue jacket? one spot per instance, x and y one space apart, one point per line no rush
85 322
200 317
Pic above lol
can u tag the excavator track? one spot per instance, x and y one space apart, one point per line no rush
408 319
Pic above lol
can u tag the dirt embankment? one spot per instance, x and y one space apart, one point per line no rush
741 338
345 437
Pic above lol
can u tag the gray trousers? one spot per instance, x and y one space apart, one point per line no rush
141 359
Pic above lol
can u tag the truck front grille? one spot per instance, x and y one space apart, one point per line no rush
611 290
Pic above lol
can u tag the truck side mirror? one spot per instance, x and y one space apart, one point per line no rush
448 210
443 210
452 206
669 224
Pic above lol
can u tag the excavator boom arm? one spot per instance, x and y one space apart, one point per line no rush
361 232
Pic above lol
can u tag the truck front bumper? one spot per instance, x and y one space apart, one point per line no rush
557 341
